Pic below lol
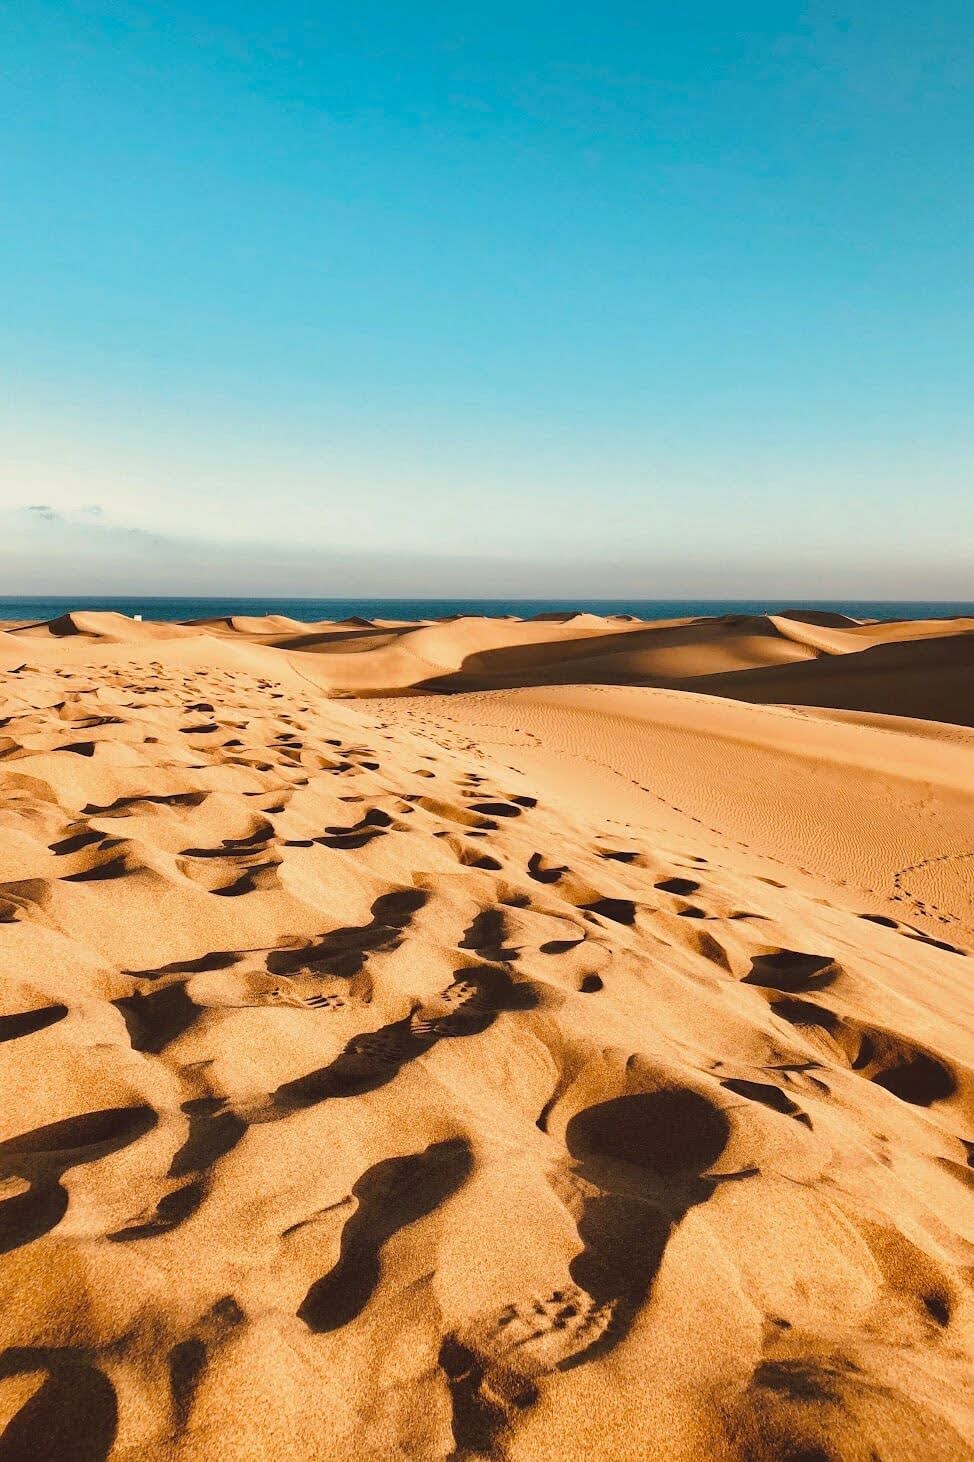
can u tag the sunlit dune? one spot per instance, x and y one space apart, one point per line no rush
527 1039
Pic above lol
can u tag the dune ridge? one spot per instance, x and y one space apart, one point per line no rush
918 668
487 1038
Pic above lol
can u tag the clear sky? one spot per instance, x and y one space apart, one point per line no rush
637 298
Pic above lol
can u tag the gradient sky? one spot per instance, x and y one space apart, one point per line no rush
645 299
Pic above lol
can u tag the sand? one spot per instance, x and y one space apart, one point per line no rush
487 1038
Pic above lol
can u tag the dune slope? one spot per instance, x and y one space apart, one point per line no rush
582 1070
921 669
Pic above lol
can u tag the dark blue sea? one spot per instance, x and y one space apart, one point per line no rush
336 609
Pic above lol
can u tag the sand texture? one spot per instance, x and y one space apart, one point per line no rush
487 1038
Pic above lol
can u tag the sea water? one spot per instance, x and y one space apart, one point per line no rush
310 610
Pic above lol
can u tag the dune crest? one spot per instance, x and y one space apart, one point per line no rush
492 1038
918 668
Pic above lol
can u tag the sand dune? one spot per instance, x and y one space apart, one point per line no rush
101 625
564 1047
918 668
929 678
922 669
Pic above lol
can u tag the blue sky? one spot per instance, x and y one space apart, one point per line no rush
387 298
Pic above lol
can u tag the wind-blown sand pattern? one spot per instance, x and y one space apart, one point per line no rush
488 1038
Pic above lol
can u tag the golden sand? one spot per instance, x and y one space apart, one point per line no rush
524 1039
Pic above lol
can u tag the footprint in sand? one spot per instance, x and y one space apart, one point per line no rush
74 1413
41 1157
640 1165
389 1196
282 997
493 1364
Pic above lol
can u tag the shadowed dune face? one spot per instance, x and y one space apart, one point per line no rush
921 669
581 1071
798 657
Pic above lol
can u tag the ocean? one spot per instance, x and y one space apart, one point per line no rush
309 610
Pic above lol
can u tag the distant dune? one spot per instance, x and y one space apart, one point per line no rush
918 668
525 1039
